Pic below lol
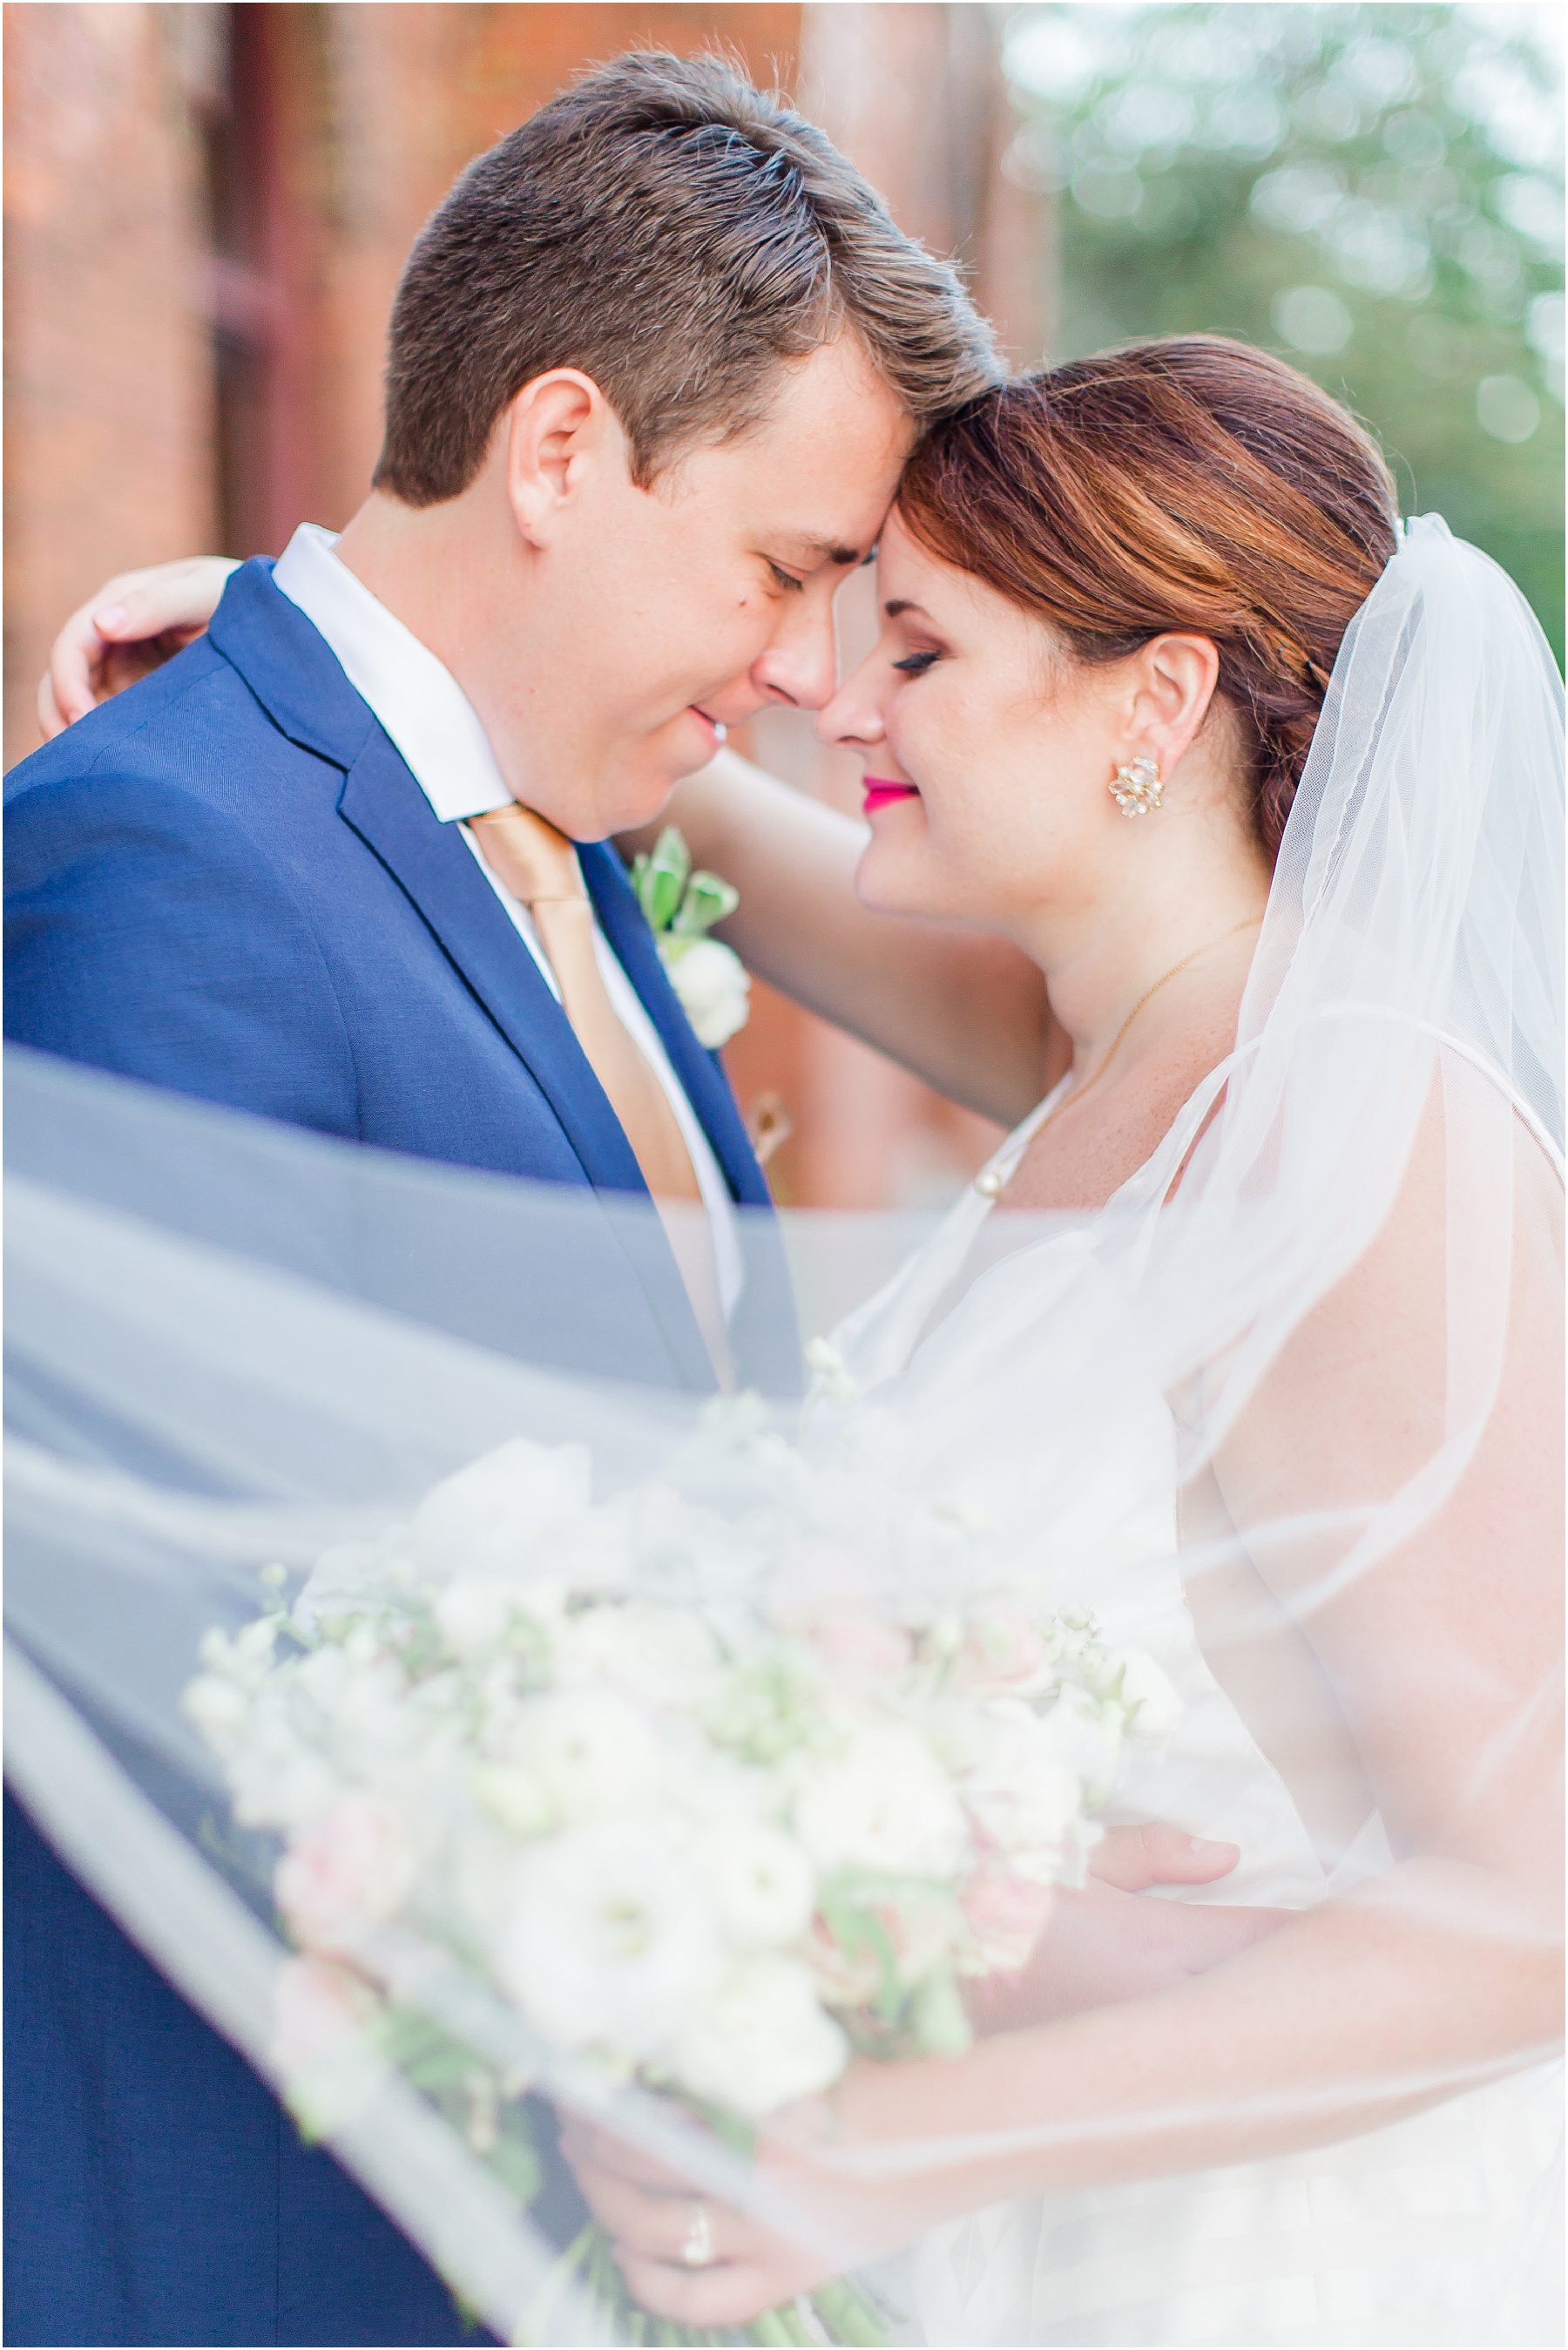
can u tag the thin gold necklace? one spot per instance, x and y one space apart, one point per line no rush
993 1181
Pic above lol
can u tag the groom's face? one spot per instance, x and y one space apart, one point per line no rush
677 611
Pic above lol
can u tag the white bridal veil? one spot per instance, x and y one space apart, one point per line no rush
232 1346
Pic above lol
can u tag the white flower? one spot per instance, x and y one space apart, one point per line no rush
1017 1786
351 1868
833 1382
590 1752
220 1710
1004 1653
319 2043
488 1519
472 1613
663 1656
608 1942
713 984
516 1798
883 1801
761 2039
761 1883
1153 1707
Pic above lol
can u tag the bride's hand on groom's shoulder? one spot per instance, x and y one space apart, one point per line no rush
1104 1945
128 627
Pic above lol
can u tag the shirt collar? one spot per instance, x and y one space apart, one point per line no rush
415 696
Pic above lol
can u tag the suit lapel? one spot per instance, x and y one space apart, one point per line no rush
707 1088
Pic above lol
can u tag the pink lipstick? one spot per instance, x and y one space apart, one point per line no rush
881 794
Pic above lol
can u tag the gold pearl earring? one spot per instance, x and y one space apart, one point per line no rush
1137 788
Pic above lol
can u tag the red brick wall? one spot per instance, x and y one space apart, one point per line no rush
108 376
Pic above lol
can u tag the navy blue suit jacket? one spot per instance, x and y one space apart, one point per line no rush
227 882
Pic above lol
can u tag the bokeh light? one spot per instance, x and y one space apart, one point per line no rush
1374 192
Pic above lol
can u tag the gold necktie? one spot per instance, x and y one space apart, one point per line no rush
539 866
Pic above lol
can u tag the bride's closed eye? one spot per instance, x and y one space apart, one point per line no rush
916 664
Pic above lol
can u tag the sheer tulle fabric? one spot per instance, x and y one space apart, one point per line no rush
1304 1363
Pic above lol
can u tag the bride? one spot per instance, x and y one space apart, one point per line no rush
1267 786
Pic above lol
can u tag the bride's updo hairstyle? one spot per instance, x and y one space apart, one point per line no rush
1191 484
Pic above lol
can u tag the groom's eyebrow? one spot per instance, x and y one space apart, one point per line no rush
827 550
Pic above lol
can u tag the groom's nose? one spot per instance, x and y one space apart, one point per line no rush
801 664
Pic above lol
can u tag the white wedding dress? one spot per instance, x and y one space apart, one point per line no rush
1438 2229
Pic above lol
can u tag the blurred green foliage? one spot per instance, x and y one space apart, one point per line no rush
1374 192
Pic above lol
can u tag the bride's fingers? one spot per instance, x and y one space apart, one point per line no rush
658 2226
1155 1854
173 600
730 2294
585 2147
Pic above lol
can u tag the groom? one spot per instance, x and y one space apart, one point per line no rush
654 368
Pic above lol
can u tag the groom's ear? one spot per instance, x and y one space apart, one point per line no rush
558 431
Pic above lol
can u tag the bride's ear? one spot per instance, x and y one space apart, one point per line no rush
1173 680
556 431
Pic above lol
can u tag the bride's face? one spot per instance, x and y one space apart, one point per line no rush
988 751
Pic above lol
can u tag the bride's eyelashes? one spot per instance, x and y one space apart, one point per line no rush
916 664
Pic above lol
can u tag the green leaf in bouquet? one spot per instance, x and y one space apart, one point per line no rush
708 900
939 2023
857 1930
659 881
421 2050
514 2158
729 2128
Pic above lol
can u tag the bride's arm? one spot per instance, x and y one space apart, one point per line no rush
1443 1971
966 1014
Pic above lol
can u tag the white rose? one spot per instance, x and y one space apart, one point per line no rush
713 984
1017 1784
352 1868
608 1942
220 1710
882 1801
516 1798
590 1752
320 2044
488 1519
761 1883
472 1613
761 2039
664 1656
1153 1707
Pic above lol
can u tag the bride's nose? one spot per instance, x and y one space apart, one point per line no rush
854 717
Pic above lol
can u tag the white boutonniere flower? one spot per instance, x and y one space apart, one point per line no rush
682 907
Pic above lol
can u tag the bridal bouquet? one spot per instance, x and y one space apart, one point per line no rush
657 1773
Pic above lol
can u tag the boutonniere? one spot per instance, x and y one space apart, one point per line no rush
682 907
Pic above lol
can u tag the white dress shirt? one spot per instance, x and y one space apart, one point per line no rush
428 716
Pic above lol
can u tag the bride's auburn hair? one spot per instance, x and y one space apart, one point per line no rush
1192 484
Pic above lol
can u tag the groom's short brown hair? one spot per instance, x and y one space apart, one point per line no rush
676 235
